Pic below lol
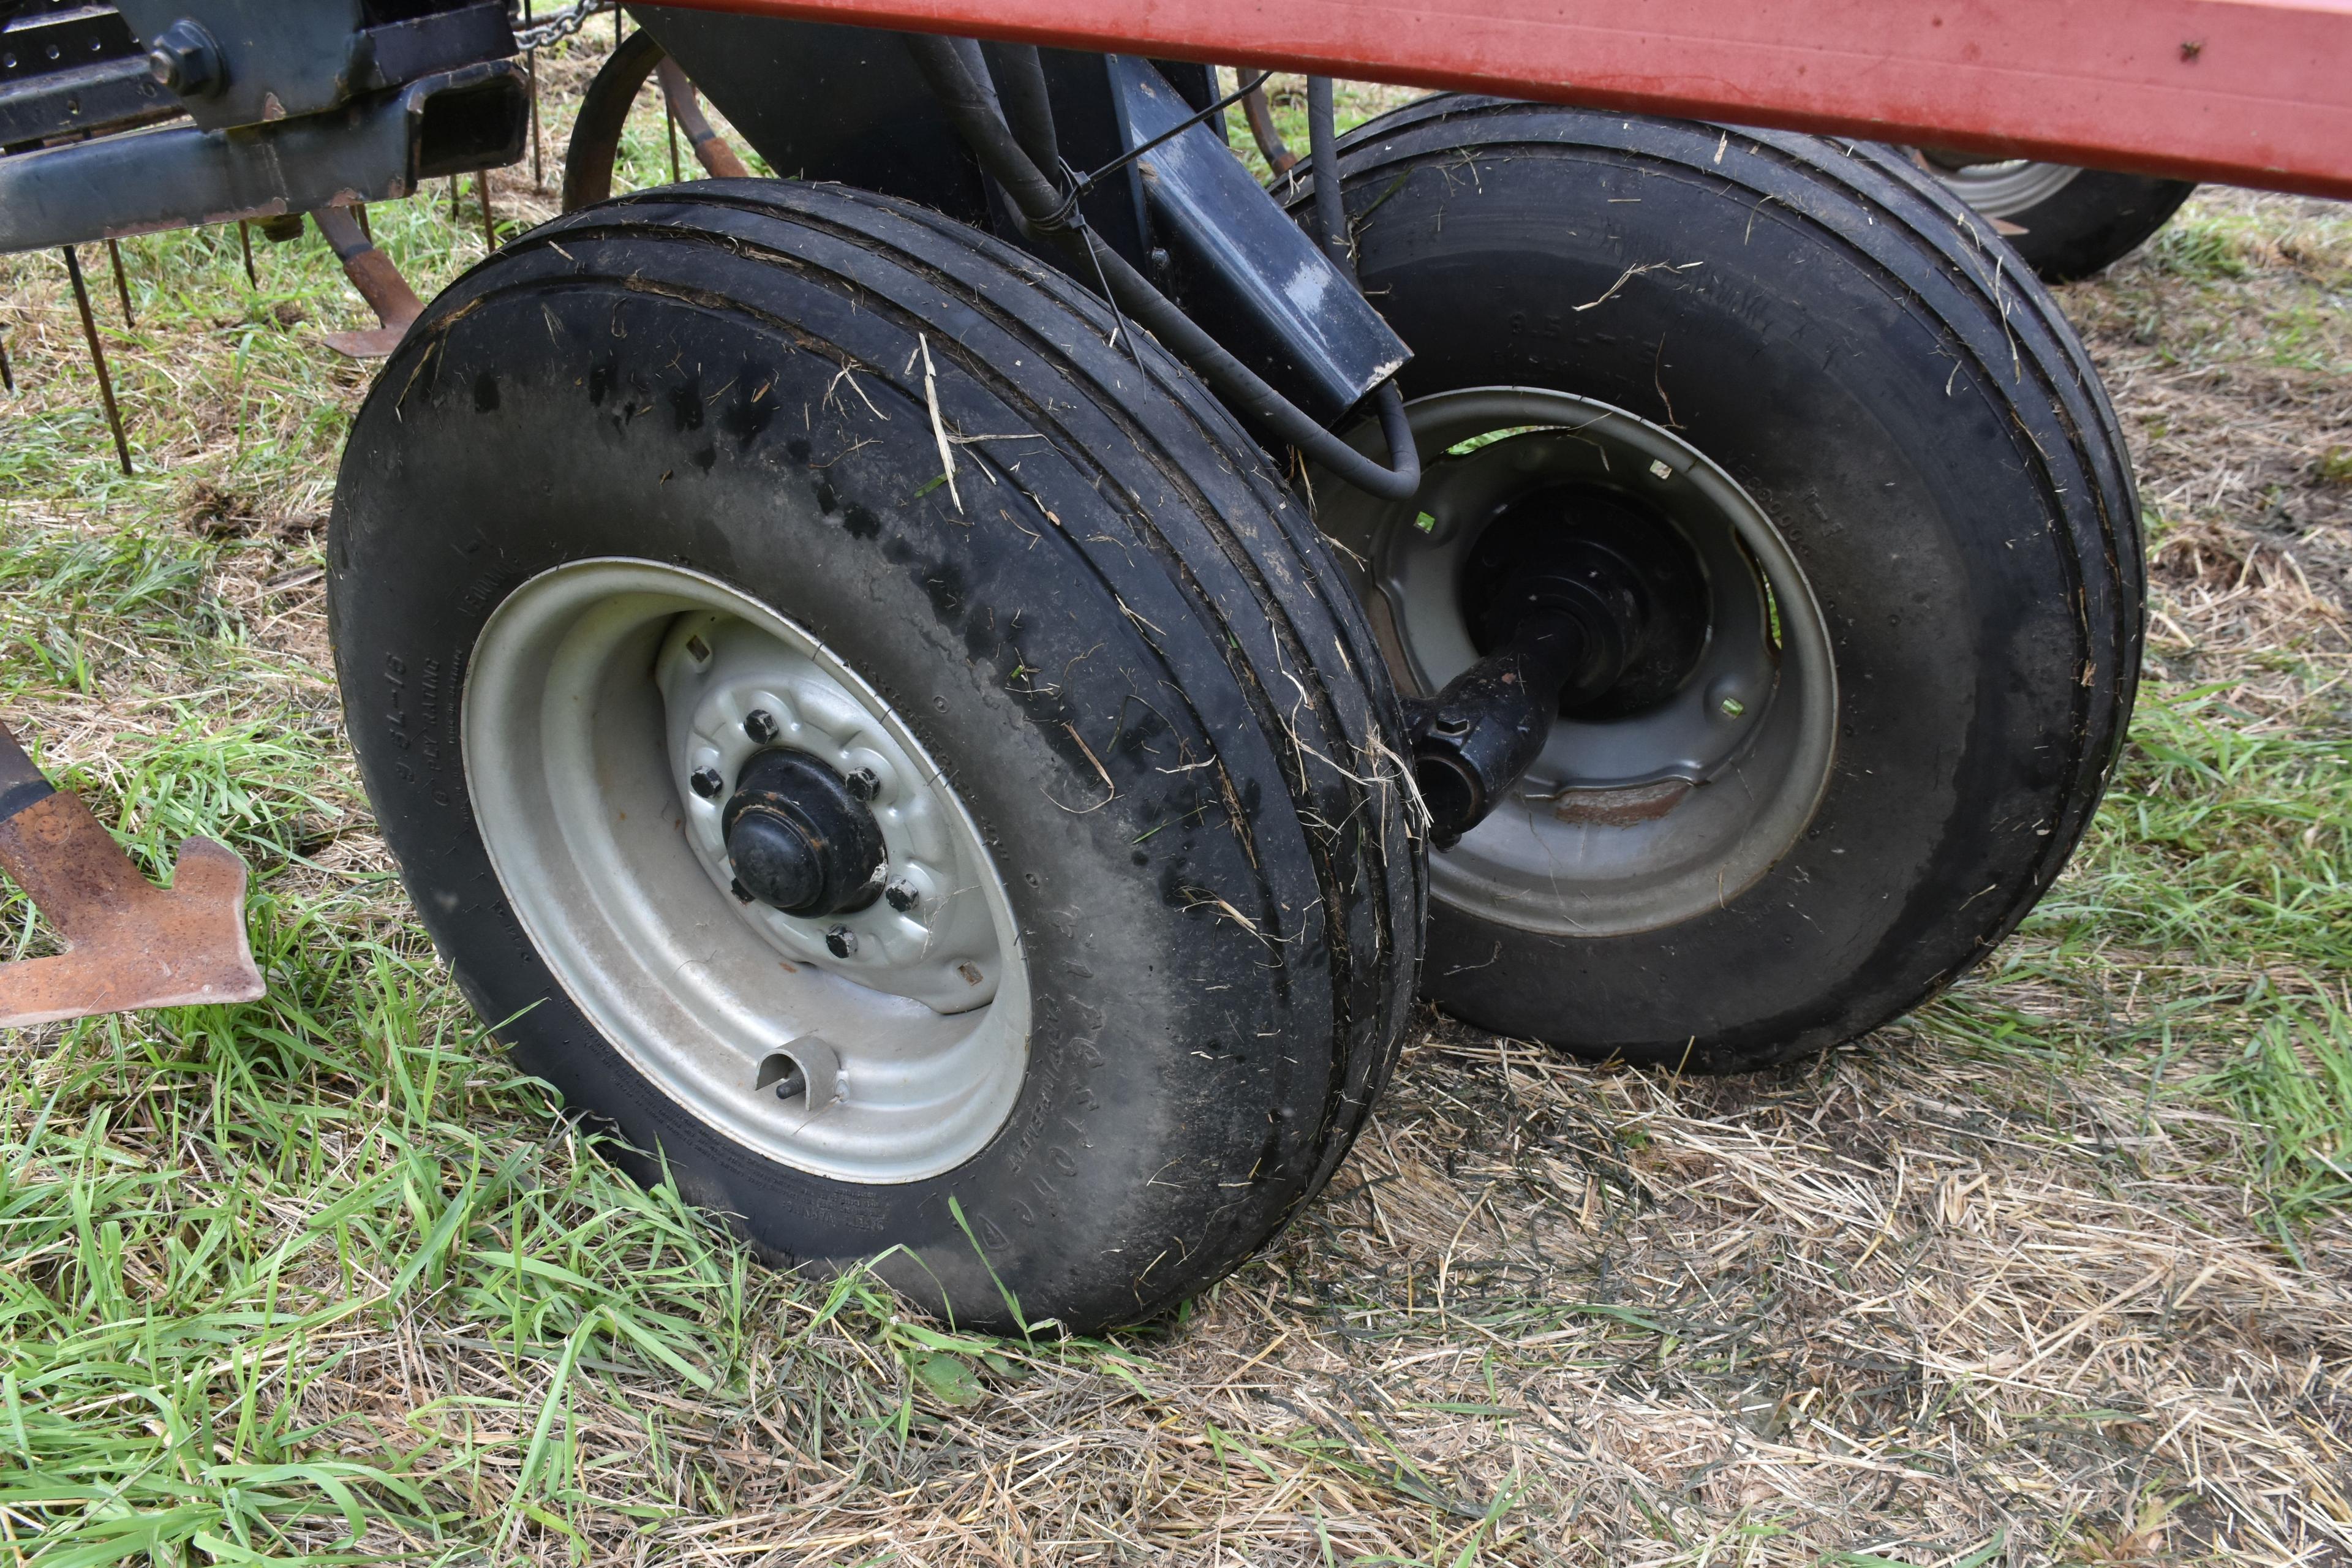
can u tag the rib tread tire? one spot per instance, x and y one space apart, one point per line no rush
1923 264
1182 605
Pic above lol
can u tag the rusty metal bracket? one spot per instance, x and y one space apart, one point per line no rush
395 304
128 943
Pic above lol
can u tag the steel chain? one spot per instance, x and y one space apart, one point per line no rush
557 27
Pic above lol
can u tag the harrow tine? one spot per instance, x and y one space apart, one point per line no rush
7 372
122 283
98 357
128 943
244 243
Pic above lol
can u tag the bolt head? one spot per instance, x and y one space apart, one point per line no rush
864 783
742 894
708 782
1732 706
761 725
841 942
186 59
902 895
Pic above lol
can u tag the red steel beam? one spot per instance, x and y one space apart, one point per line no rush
2254 92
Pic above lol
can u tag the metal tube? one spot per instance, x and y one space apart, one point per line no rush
96 357
976 116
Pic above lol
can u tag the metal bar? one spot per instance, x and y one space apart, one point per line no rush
2255 92
489 227
122 283
128 943
8 372
96 357
244 243
710 150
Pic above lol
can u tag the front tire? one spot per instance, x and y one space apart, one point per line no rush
657 491
1889 462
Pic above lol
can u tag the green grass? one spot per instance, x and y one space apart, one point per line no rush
243 1246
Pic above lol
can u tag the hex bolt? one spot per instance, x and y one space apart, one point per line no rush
902 895
1733 708
742 894
708 782
864 783
761 725
841 942
186 59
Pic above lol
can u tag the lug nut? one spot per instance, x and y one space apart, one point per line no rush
864 783
708 782
186 59
742 894
902 895
761 725
841 942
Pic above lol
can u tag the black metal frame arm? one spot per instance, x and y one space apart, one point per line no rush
1049 211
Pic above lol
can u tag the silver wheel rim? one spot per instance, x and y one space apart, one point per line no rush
1649 818
594 693
2000 188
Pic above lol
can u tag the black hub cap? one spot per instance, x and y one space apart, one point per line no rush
800 840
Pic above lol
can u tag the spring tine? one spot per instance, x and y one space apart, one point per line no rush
367 230
7 375
669 118
244 243
121 284
490 229
98 357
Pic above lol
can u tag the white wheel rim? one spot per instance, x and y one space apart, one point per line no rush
594 692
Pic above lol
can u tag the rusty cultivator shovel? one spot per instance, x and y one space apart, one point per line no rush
128 943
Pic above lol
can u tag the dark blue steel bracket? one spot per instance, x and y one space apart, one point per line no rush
1242 268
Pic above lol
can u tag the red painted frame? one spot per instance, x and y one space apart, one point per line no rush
2254 93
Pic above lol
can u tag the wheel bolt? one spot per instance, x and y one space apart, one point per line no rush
1733 708
761 725
742 894
707 783
864 783
841 942
902 895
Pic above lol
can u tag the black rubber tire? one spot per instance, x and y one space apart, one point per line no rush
1220 958
2092 222
1929 437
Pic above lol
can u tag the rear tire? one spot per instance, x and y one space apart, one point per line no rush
1905 441
2064 223
1125 657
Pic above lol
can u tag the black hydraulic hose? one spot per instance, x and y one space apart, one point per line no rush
1027 106
977 119
1323 158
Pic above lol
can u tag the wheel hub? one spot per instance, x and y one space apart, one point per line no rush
800 838
738 861
1660 793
